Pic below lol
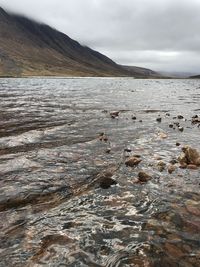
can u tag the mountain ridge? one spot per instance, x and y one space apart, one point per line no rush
30 48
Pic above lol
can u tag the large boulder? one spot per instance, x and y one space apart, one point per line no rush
189 156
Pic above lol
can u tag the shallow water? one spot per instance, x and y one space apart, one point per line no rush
54 211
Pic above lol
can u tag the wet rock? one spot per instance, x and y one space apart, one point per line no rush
134 118
104 179
161 166
171 168
159 119
195 120
106 182
173 161
162 135
190 156
143 177
177 124
195 117
114 114
168 114
171 125
108 150
180 117
178 144
181 129
103 137
133 161
127 152
183 166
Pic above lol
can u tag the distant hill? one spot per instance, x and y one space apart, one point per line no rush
29 48
195 77
143 72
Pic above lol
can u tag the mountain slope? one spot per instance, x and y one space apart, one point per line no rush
29 48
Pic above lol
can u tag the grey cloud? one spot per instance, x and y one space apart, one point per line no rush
158 34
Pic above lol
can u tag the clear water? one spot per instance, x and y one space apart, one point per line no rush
53 210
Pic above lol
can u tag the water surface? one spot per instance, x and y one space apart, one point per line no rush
53 209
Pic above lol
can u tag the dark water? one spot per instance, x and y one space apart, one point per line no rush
53 209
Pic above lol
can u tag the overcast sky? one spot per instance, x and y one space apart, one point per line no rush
157 34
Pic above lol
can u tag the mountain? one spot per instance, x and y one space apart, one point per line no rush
29 48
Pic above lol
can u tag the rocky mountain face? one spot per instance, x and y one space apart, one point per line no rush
29 48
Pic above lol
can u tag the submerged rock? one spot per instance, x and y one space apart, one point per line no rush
195 119
103 137
114 114
133 161
161 166
108 150
180 117
171 168
162 135
181 129
106 182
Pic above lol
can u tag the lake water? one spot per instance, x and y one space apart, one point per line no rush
57 141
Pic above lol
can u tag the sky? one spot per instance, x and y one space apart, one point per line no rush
162 35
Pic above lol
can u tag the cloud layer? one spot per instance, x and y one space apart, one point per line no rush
158 34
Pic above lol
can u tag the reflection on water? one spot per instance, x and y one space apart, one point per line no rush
66 196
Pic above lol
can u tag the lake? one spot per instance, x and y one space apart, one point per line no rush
67 196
